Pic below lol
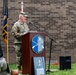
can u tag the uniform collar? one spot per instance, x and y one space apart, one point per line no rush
21 23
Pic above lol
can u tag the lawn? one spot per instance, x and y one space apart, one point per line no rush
72 71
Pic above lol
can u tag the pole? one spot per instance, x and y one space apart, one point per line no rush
51 40
7 55
7 52
5 25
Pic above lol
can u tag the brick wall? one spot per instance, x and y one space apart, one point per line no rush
57 18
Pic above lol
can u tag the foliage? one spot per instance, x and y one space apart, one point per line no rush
12 66
54 70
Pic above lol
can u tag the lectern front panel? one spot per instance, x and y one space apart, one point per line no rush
32 46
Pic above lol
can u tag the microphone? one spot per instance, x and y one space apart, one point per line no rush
30 23
45 33
33 25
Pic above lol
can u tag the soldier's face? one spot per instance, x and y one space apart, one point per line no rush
23 19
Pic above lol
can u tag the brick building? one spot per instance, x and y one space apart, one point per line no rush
57 18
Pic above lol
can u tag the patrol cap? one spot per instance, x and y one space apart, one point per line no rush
24 14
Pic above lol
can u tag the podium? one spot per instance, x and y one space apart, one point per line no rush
28 50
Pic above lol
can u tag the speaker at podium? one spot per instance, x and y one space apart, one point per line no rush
33 45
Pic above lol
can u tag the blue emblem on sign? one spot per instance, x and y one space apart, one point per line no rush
37 44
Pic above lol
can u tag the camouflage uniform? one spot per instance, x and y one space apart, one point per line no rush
18 30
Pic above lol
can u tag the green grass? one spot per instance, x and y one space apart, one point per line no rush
13 66
72 71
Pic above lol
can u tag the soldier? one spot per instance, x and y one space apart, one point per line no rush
19 28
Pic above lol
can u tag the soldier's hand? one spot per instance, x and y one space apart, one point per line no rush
25 33
22 34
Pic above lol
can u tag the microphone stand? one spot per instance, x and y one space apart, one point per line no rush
51 40
48 70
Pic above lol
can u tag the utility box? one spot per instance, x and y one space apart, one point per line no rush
65 62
